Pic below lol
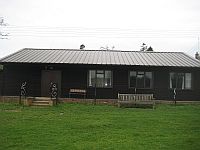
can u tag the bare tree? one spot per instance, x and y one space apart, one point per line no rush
3 35
146 48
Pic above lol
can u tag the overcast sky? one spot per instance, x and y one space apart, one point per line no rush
165 25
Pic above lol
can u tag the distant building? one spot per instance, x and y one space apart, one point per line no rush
109 72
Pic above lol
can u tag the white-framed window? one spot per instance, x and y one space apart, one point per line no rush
180 80
140 79
100 78
1 67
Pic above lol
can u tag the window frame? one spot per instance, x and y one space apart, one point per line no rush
104 70
129 85
1 67
184 89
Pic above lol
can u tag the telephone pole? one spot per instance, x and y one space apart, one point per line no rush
198 44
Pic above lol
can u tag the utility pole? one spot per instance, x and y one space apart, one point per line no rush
197 55
198 44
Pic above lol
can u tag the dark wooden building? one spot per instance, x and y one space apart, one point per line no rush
109 72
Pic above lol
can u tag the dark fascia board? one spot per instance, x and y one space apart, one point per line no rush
113 65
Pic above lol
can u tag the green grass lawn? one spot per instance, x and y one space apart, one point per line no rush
79 126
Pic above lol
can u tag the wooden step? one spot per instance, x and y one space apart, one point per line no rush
42 98
40 101
40 104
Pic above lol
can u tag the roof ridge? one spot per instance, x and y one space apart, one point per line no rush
98 50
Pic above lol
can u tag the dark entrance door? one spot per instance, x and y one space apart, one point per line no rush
49 76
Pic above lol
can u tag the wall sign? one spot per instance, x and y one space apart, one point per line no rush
54 90
23 89
175 95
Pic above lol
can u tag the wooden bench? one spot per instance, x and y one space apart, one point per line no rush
136 100
81 92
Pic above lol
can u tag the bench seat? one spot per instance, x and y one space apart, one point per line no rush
81 92
136 100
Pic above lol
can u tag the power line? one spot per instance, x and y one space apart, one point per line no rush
43 31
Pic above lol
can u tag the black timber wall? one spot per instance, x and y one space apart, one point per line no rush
1 82
75 76
14 75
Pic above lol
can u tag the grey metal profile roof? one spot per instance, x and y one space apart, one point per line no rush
102 57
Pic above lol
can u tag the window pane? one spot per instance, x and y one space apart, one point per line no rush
188 81
132 79
148 79
92 78
1 67
172 80
140 80
100 71
100 80
108 79
180 81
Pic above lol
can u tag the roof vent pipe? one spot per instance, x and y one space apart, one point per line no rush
197 56
82 46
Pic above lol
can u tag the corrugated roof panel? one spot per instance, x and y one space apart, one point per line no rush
73 57
52 56
108 57
176 60
29 56
84 58
46 56
38 55
152 60
91 57
140 60
189 60
20 56
104 60
76 58
128 58
145 59
116 58
184 61
131 57
148 59
108 61
62 56
67 56
165 59
17 56
122 58
157 60
58 57
99 57
96 56
112 58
